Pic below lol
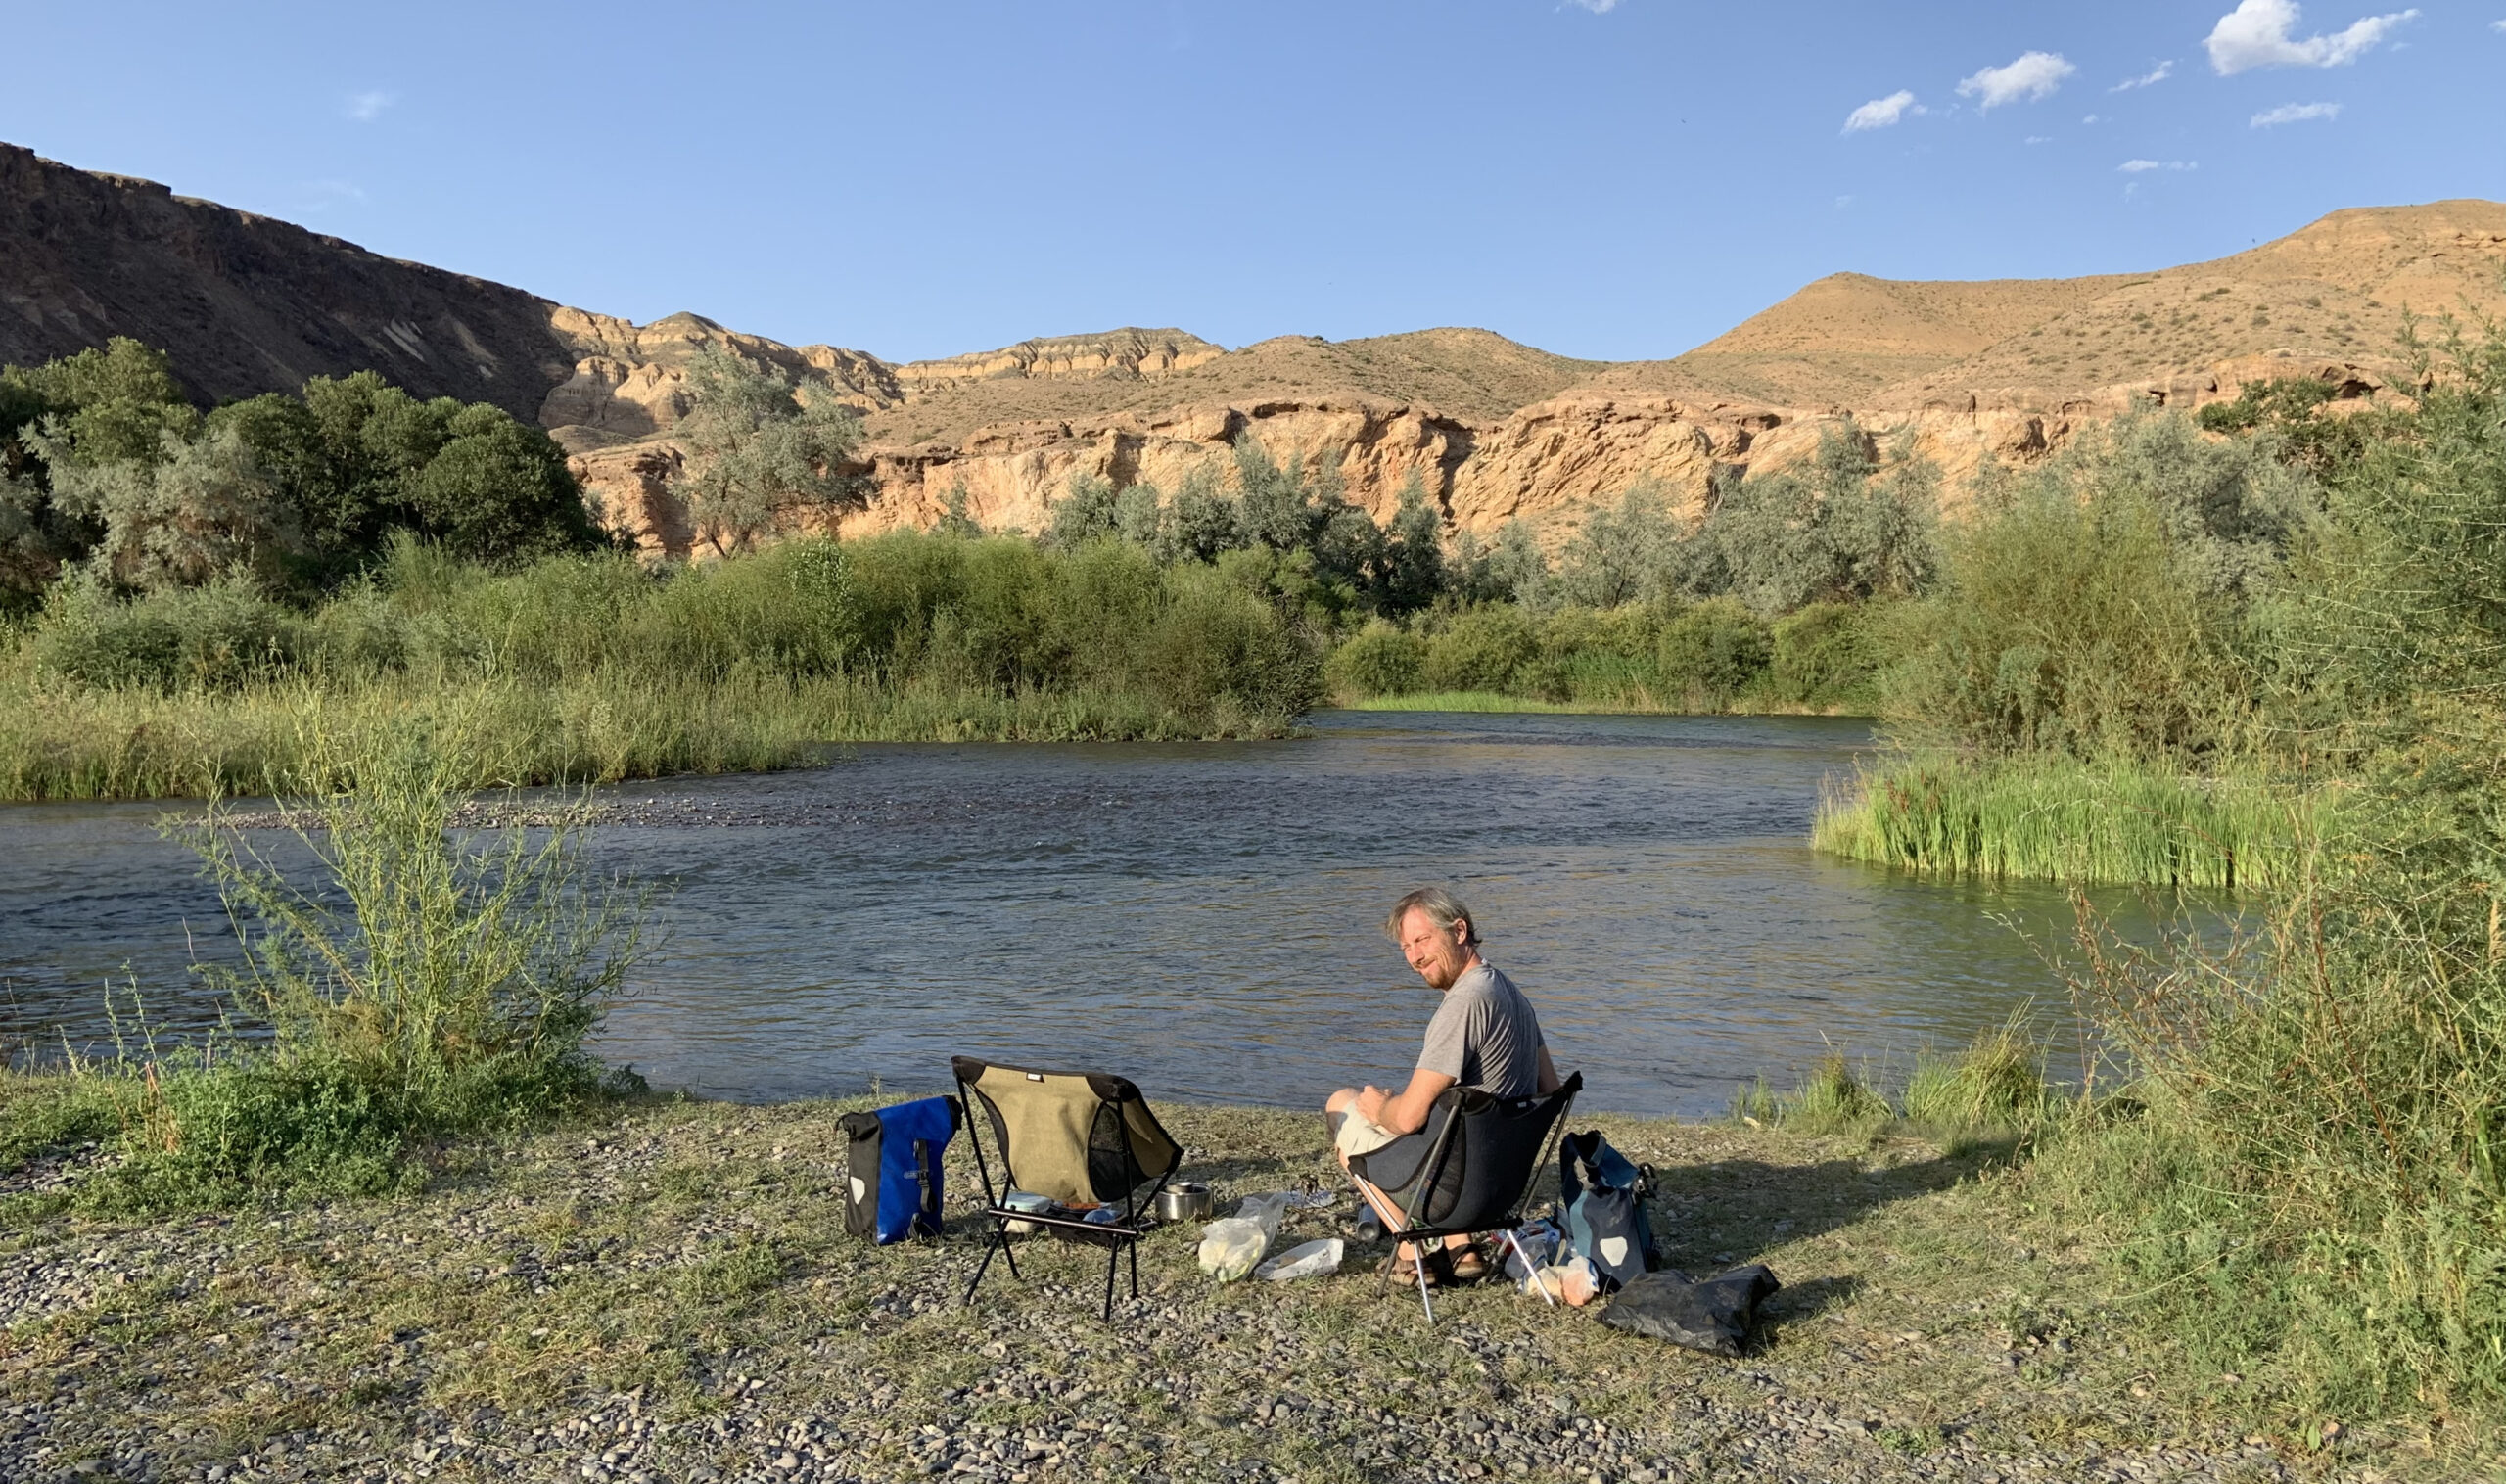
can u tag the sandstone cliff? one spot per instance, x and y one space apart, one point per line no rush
1549 462
1961 373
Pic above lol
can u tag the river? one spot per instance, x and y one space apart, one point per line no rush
1202 917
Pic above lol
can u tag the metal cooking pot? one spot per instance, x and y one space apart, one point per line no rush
1184 1201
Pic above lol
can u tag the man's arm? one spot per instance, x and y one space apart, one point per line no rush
1549 1081
1408 1112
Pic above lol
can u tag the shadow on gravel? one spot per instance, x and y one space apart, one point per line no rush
1795 1302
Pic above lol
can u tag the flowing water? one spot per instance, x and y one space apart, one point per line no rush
1202 917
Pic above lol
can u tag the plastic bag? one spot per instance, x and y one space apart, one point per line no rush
1537 1241
1027 1201
1232 1246
1713 1316
1572 1282
1312 1260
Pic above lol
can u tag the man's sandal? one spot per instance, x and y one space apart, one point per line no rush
1465 1266
1403 1272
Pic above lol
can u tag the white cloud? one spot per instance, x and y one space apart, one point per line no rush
2040 139
2141 167
365 107
1882 112
2091 118
2294 113
322 195
2497 26
1596 7
2256 34
2034 75
2156 74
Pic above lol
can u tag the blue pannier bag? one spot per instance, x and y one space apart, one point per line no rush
1607 1204
892 1167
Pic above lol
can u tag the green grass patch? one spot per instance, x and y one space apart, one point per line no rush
1480 701
74 742
2053 818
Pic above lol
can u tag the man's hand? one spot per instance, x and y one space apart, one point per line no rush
1408 1113
1369 1103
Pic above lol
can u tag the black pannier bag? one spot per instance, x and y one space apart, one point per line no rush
1606 1205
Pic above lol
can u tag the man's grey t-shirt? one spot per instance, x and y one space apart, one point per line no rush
1485 1036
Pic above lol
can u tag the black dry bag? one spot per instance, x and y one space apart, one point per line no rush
1713 1316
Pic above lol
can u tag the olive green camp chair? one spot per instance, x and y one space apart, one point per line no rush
1072 1136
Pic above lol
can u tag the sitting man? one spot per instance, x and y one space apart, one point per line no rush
1484 1035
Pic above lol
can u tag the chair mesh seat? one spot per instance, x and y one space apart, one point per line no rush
1480 1173
1075 1137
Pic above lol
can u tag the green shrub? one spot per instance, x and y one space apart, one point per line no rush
1714 650
1379 660
1219 651
218 637
1480 650
1823 655
1104 595
358 636
421 985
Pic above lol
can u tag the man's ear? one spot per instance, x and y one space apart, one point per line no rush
1462 933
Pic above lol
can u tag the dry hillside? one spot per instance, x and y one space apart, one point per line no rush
2336 290
246 304
1471 374
1840 340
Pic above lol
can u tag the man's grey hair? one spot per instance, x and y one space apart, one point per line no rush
1443 909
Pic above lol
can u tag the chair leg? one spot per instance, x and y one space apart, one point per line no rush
1009 1254
1531 1274
998 1242
1113 1259
1423 1284
1133 1247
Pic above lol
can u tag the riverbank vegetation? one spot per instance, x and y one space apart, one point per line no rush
194 596
2297 1162
412 983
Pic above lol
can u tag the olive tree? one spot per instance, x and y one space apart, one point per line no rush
756 451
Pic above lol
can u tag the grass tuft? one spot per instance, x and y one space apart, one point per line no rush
1997 1083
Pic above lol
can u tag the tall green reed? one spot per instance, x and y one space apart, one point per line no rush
2055 817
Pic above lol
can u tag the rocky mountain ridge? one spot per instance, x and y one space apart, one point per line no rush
2005 370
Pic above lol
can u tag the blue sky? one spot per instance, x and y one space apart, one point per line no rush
1615 180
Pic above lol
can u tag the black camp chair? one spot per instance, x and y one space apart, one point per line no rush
1479 1172
1072 1136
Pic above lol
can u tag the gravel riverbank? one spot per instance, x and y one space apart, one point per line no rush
666 1294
